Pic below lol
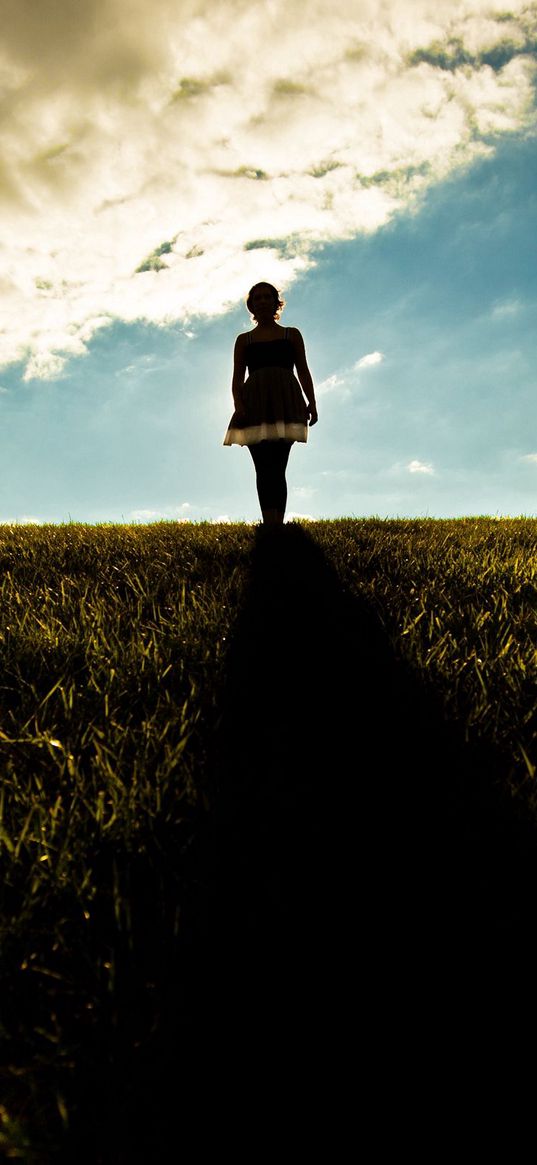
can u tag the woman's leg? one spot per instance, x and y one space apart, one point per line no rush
263 456
270 459
281 457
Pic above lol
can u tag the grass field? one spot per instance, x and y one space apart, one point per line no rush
142 826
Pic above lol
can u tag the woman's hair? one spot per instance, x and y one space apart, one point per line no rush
279 303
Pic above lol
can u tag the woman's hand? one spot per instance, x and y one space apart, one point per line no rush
312 413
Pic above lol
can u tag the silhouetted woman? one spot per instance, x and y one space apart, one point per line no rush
270 410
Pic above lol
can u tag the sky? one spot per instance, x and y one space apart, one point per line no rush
377 164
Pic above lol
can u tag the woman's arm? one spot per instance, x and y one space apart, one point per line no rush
304 374
239 369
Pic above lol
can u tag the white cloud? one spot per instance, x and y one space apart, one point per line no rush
419 467
345 378
24 520
175 513
158 159
44 366
531 457
506 308
329 384
371 358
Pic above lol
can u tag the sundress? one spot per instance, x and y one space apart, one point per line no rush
273 403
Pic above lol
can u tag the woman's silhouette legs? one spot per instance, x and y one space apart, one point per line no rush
270 459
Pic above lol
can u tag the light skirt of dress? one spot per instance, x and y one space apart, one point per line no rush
253 434
273 409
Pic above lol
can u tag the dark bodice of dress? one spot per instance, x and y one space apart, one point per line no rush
270 354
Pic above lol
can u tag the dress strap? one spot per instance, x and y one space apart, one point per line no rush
287 333
248 337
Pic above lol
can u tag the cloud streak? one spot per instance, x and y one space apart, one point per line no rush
158 159
175 513
345 378
370 359
420 467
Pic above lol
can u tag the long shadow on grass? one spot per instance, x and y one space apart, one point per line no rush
367 858
360 874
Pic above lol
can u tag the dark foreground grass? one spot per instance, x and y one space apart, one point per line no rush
249 780
458 599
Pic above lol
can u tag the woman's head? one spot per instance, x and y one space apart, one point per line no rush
264 299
